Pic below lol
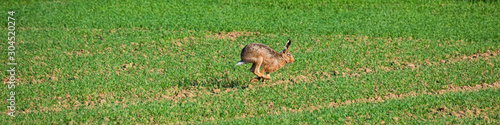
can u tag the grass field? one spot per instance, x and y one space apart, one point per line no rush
173 62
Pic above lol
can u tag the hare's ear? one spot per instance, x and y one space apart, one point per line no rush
287 46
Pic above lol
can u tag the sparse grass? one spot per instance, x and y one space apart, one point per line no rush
158 62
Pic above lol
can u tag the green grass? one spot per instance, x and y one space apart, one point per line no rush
158 62
435 20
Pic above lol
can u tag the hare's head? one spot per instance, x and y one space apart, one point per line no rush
286 54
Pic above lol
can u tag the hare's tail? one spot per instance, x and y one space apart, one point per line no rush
240 63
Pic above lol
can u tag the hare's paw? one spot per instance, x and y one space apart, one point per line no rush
255 79
266 77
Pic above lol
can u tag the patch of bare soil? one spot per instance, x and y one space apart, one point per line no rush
220 36
475 112
6 80
232 35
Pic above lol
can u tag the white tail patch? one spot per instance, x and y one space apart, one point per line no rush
240 63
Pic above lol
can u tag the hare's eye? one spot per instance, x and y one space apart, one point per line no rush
289 54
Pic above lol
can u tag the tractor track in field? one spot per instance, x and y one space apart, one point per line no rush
413 66
232 36
180 95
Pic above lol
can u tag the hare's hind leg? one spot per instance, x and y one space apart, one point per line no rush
253 71
256 66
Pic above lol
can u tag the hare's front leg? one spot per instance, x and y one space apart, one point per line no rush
255 79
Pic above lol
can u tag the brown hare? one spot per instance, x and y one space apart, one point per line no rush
262 55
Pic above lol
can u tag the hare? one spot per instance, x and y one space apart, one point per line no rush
262 55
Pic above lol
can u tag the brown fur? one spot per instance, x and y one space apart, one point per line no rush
262 55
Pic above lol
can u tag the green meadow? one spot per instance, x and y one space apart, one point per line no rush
173 62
